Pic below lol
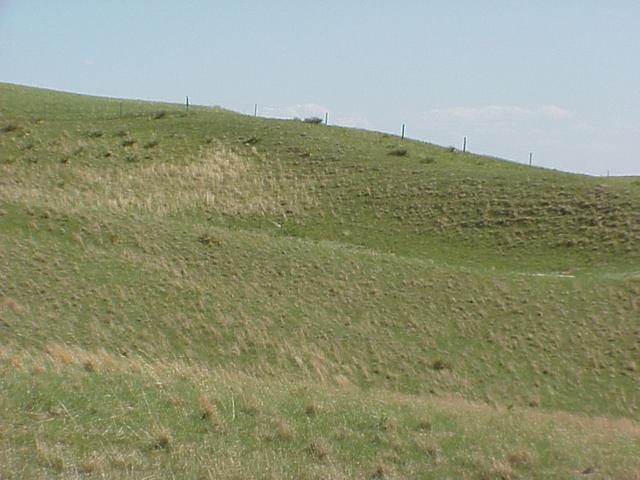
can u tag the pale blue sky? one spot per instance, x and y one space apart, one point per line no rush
559 78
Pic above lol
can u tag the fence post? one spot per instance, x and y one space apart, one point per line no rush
530 158
187 104
464 145
403 131
326 118
255 110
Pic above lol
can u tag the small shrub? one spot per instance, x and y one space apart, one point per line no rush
95 134
319 449
249 406
12 305
159 115
90 466
283 431
121 133
520 458
207 240
398 152
11 127
90 365
388 424
498 471
313 120
424 424
151 144
162 440
428 160
279 430
381 471
49 457
432 450
440 364
210 414
128 142
312 409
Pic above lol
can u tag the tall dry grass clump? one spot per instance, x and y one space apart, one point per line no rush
216 178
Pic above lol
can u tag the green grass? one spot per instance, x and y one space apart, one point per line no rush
161 269
72 414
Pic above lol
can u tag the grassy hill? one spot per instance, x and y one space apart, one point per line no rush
208 295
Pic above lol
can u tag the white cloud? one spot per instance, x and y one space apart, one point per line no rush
295 111
487 112
306 110
496 113
353 122
554 111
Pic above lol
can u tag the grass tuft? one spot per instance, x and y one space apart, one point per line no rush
440 364
312 409
9 127
498 471
424 425
398 152
320 449
48 457
13 306
162 440
210 414
95 134
520 458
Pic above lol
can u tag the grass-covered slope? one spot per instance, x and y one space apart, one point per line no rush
297 300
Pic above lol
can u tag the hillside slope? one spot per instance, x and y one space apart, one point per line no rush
285 258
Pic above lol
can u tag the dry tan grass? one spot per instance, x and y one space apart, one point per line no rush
10 304
460 407
163 439
48 456
498 471
569 431
60 357
210 413
216 178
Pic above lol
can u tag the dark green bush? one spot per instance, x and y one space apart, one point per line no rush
313 120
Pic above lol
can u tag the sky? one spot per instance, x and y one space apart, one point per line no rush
559 78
